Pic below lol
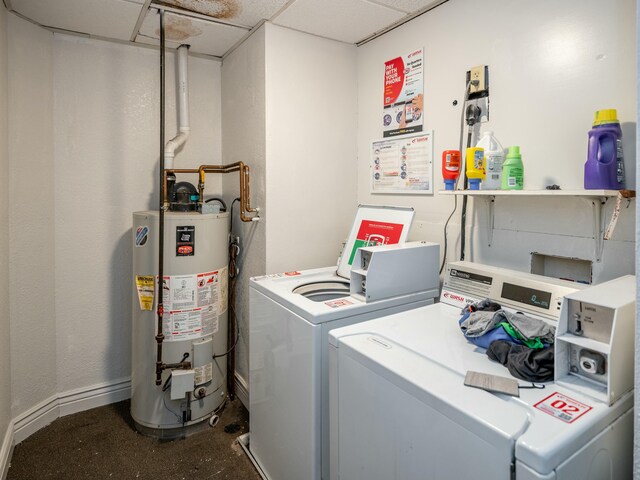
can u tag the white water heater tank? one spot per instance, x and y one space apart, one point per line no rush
195 289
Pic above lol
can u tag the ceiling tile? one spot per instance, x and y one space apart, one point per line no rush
204 37
346 20
409 6
239 12
106 18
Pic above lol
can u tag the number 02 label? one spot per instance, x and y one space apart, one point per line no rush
562 407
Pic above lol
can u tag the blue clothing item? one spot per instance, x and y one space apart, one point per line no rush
485 340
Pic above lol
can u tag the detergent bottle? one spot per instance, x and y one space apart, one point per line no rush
450 168
604 167
493 160
475 167
513 170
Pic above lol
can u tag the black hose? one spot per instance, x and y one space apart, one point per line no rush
463 218
462 175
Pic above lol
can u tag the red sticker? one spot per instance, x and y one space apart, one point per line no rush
291 274
338 303
562 407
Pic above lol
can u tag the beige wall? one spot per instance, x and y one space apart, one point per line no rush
5 355
31 216
548 73
243 139
311 94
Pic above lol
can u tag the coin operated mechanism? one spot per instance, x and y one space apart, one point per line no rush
386 271
595 340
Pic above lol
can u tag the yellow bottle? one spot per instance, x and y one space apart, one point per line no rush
475 167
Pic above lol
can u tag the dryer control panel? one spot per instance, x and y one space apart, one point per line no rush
467 282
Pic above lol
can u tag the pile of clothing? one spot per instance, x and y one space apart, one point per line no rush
521 343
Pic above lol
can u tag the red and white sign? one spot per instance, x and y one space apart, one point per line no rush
562 407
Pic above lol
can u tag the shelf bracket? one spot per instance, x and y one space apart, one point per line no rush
492 203
598 204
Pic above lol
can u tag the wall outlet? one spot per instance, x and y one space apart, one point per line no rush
479 73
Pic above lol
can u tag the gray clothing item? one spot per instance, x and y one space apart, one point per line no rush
479 323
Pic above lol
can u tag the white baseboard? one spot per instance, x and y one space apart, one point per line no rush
6 449
66 403
242 389
37 417
81 399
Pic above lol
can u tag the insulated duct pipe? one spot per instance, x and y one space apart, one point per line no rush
182 99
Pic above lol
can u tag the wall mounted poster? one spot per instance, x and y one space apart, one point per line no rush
403 165
403 110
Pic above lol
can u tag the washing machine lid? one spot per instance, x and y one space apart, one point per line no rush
374 225
282 288
424 349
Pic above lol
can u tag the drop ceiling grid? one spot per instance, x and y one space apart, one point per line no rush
344 20
408 6
247 13
204 37
105 18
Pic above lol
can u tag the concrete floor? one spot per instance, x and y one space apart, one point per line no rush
102 444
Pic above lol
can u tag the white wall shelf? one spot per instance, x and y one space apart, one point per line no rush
536 193
597 199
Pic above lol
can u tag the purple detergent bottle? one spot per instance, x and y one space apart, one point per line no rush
604 168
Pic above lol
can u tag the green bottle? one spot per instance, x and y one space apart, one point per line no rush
513 170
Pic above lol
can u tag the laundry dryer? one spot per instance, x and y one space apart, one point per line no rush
399 406
290 317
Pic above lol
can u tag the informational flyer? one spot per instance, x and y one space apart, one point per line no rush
403 110
372 233
403 165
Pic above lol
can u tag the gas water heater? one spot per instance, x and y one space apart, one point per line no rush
194 324
180 269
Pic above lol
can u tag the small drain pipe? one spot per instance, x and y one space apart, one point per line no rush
183 108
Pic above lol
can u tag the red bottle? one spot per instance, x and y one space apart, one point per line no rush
450 168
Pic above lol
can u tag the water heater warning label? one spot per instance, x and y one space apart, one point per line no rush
179 292
144 285
183 325
194 303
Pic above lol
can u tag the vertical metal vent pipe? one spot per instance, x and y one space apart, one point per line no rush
161 197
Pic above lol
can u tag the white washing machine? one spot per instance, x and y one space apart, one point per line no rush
400 410
290 317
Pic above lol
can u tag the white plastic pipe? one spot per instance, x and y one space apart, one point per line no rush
182 98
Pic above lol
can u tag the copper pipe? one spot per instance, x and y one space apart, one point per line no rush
245 201
245 206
